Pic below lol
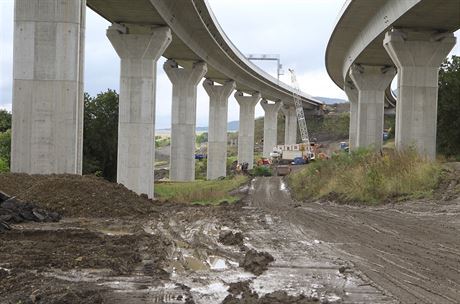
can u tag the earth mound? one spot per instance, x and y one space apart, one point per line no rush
76 196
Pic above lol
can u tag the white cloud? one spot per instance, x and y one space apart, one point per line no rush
6 106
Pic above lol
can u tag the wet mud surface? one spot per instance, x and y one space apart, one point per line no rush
265 249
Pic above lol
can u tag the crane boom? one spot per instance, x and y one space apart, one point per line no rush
300 114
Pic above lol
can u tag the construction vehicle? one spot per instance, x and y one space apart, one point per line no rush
301 116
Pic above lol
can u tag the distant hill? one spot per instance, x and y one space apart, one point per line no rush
232 126
328 100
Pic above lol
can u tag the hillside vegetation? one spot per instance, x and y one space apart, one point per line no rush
364 176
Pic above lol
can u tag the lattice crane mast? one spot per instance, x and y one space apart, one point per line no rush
300 114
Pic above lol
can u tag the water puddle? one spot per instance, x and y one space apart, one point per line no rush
283 186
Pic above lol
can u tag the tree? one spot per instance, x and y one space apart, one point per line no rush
5 140
5 120
448 131
100 139
5 147
202 138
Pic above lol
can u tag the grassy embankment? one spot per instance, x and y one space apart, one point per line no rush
367 177
201 191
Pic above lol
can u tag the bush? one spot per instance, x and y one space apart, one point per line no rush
367 177
262 171
201 167
5 147
4 166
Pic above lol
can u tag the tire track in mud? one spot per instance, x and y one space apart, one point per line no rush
413 256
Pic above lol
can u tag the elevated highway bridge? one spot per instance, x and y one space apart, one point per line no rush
48 87
374 40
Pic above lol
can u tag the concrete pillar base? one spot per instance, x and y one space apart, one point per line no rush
290 126
371 82
183 118
246 129
418 55
352 94
217 130
139 53
270 125
48 87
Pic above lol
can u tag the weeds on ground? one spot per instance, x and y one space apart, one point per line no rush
261 171
364 176
200 192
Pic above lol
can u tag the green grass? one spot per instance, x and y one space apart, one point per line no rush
363 176
200 192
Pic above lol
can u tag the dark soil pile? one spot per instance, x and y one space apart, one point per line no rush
76 196
67 249
256 262
241 293
230 238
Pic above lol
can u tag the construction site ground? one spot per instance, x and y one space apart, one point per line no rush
112 246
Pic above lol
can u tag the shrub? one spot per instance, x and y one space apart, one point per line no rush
367 177
262 171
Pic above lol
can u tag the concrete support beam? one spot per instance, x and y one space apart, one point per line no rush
352 94
246 129
139 53
183 118
48 86
290 125
417 55
217 130
270 125
371 82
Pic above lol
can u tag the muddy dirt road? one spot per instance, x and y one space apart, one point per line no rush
115 247
410 251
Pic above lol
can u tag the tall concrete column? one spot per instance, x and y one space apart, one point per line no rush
139 49
371 82
417 55
183 118
270 125
48 86
290 125
246 129
217 130
352 94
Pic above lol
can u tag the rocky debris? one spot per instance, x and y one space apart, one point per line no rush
77 196
241 293
256 262
15 211
231 238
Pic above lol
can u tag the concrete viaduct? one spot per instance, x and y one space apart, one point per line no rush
374 40
48 84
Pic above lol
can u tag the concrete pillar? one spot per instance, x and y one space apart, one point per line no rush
371 82
246 129
352 94
217 130
183 118
290 125
270 125
48 86
417 55
139 49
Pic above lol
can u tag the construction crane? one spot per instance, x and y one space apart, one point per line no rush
300 115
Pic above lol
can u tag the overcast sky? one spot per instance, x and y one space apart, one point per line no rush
297 30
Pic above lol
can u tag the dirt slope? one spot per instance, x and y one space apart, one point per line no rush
411 250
